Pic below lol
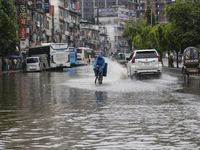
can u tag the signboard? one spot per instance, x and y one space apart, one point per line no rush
38 3
76 41
69 4
78 5
106 10
23 14
71 25
22 44
66 3
46 6
23 33
61 4
73 6
52 9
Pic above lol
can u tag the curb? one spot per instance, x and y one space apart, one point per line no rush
178 72
10 71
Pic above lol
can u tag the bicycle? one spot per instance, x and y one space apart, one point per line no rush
98 77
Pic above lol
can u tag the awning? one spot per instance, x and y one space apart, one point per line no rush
15 56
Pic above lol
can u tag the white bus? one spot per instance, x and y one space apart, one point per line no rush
90 55
82 57
57 54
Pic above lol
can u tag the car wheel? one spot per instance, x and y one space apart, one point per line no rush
160 75
128 73
133 77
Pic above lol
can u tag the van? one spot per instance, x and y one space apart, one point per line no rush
34 64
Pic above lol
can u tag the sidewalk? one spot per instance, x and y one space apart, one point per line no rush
10 71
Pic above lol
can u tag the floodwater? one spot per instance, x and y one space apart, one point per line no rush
65 110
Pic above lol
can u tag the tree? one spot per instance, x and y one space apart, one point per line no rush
8 26
148 18
184 18
132 26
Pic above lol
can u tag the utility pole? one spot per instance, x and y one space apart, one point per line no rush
151 14
97 15
94 9
52 34
82 10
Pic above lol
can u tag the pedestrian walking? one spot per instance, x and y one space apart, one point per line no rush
24 63
15 63
10 64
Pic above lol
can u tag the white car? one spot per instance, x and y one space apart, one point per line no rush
34 64
144 62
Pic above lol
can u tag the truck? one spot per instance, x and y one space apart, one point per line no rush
191 61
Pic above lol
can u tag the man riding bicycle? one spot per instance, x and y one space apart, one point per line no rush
99 61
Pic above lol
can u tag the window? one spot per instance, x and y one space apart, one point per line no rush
61 13
146 54
61 27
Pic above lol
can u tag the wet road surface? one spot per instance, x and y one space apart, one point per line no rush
65 110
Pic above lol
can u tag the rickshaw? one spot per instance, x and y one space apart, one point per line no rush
191 61
121 58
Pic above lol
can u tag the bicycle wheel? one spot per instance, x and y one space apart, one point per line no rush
100 80
95 81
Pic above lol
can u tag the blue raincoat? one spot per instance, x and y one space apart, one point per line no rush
100 61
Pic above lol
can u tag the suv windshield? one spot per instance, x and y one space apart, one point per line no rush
32 60
146 54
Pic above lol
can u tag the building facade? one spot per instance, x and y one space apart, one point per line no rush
47 21
114 19
140 6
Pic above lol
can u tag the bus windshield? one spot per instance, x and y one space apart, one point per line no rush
59 46
71 49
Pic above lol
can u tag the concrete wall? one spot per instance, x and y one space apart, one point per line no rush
172 70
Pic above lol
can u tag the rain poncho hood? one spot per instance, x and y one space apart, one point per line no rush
100 56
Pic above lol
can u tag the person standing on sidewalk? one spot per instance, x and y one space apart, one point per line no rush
10 64
15 63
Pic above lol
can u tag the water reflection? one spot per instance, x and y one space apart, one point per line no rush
65 110
100 96
190 85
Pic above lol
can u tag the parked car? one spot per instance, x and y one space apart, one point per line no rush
144 62
34 64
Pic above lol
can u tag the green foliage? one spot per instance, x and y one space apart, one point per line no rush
147 16
8 27
184 17
183 29
132 27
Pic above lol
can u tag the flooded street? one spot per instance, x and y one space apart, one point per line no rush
65 110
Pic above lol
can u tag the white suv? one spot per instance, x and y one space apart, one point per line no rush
144 62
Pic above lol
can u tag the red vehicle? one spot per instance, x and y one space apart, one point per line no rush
97 52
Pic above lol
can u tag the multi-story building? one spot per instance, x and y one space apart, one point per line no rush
32 21
114 19
73 18
90 35
140 6
66 21
37 24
